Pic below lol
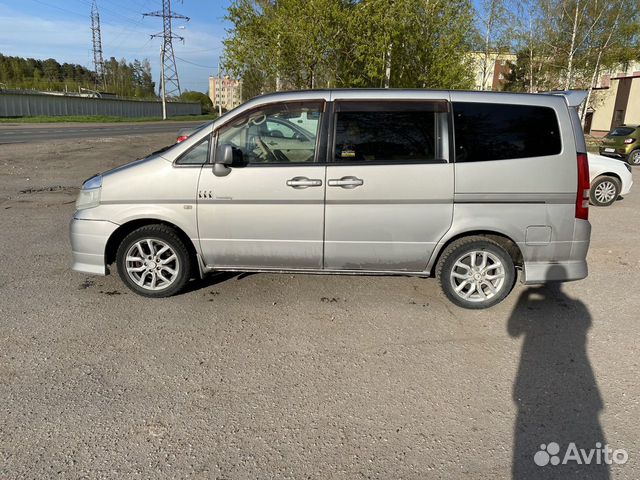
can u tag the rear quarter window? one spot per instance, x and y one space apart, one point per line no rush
489 131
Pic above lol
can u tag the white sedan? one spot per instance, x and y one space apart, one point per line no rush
610 178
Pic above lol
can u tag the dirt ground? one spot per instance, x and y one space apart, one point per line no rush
296 376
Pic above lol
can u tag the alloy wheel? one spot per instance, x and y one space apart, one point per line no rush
477 276
152 264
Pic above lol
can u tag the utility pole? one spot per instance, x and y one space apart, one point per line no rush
98 60
163 86
170 83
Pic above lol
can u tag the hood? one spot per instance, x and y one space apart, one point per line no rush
603 162
134 163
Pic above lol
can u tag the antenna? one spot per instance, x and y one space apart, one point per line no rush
170 83
98 60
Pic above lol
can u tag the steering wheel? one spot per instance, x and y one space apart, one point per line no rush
266 150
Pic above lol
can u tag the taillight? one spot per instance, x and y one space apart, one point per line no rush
582 196
629 140
182 138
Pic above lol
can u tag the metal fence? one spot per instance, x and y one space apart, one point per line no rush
14 104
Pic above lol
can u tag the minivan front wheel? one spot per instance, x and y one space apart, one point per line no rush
476 272
153 261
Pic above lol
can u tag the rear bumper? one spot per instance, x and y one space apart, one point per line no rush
88 241
570 265
617 155
541 272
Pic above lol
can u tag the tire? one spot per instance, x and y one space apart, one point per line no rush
604 191
634 158
161 274
478 291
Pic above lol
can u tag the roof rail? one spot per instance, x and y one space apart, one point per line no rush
574 98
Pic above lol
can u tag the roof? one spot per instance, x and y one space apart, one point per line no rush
572 98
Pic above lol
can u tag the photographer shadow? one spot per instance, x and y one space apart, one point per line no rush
555 390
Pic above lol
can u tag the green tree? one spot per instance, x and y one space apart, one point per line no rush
410 44
125 79
295 44
205 102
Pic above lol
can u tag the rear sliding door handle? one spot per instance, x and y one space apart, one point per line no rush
303 182
346 182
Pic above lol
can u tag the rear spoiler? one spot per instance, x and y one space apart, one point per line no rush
574 98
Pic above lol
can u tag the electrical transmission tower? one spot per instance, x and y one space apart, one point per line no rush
170 83
98 60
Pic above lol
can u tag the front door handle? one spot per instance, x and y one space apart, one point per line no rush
346 182
303 182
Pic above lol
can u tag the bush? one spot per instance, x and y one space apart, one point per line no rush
205 102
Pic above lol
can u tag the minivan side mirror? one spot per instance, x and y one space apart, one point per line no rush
223 160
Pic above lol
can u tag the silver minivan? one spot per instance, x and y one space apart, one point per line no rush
469 187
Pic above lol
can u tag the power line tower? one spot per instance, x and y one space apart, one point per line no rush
98 60
170 83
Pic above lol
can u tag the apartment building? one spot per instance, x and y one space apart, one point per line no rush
493 76
225 91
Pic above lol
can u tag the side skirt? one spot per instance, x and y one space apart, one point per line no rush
424 274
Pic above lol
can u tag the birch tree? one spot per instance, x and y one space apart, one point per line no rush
496 35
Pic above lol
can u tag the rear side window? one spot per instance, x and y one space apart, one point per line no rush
400 132
488 131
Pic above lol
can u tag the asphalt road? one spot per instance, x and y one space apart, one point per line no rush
33 133
299 376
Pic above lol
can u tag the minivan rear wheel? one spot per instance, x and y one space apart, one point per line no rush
153 261
476 272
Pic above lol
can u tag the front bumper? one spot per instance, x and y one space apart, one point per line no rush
88 242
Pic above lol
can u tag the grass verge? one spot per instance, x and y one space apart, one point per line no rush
105 119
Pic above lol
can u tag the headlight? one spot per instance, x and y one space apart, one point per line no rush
89 196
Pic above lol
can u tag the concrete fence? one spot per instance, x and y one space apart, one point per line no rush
14 104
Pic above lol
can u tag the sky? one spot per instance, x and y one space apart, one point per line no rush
61 29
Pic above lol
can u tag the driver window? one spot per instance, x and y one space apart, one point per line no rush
268 135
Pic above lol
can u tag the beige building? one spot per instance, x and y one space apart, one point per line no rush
225 91
614 105
497 68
